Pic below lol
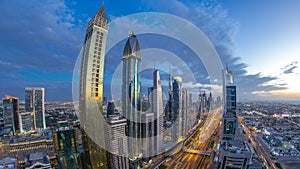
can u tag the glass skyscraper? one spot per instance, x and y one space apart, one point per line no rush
91 89
35 102
11 113
131 101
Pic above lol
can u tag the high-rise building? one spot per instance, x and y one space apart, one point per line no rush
35 102
176 116
233 153
110 108
65 138
158 111
184 111
131 101
229 110
26 121
91 88
147 128
117 143
11 113
169 106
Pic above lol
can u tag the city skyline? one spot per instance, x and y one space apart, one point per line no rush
258 81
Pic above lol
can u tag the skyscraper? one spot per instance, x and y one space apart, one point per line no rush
184 111
131 88
110 108
11 113
117 143
65 138
35 102
233 153
229 114
176 116
91 88
157 109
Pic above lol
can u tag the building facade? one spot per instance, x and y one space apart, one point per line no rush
11 113
131 101
91 90
66 144
35 102
117 143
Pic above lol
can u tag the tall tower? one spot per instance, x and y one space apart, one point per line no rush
11 113
35 102
229 114
157 109
91 87
177 109
131 88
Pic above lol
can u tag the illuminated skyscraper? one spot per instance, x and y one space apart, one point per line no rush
91 88
131 101
229 114
35 102
11 113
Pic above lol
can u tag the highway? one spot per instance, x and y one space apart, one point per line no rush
176 158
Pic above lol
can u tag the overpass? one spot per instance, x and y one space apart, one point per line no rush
208 153
177 148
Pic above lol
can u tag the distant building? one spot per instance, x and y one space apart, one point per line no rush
18 148
110 108
147 128
65 139
176 115
11 113
26 121
35 102
158 111
8 163
116 141
37 160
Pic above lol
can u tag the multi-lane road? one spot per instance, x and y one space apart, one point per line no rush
200 141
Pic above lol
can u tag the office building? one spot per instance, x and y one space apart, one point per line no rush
229 111
91 90
65 139
110 108
233 153
117 143
184 111
131 101
176 116
26 122
158 111
35 102
147 128
11 113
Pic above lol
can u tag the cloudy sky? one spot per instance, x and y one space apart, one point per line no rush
41 40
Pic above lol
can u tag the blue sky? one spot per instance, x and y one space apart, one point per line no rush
40 41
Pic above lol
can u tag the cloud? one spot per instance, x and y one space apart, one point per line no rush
211 18
40 36
288 69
